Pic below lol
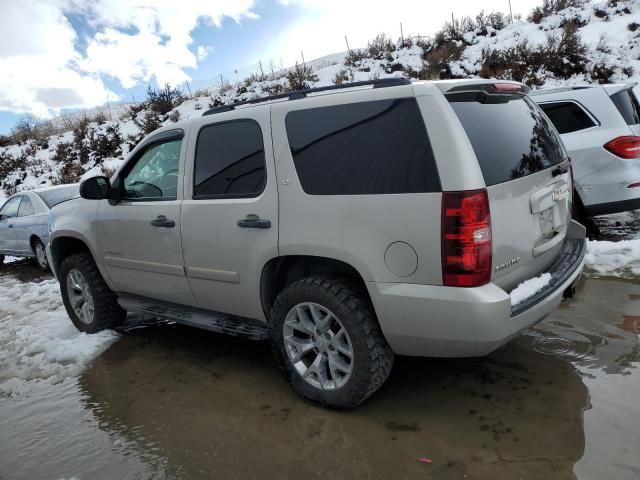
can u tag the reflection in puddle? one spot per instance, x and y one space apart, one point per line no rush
172 402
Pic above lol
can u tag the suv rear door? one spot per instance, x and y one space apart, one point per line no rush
230 211
526 172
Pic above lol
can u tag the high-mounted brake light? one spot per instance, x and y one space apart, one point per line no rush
626 147
507 87
466 238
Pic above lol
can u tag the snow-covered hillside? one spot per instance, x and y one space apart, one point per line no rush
587 42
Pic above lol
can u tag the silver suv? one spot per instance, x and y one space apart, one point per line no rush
600 127
345 224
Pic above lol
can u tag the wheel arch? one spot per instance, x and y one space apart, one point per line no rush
65 244
279 272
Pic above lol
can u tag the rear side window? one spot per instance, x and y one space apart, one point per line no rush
377 147
627 104
10 209
511 140
567 116
26 207
230 160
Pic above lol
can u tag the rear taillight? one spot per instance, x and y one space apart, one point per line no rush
466 238
626 147
507 87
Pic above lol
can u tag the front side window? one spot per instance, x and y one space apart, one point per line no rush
567 117
229 161
26 207
10 209
366 148
155 174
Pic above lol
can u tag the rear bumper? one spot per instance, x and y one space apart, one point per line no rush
613 207
606 190
427 320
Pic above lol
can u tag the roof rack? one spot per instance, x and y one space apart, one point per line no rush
298 94
568 88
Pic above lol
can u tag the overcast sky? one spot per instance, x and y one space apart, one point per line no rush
57 55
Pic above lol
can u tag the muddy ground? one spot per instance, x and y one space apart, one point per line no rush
559 402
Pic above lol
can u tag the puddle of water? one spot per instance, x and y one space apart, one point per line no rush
172 402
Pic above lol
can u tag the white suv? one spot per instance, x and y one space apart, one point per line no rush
600 127
344 224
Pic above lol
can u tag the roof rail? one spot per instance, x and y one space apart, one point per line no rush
297 94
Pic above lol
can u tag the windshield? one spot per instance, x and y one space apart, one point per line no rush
58 195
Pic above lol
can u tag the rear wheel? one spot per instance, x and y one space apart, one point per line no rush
1 259
328 341
40 254
89 302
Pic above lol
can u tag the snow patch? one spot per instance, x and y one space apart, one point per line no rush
529 288
38 342
620 258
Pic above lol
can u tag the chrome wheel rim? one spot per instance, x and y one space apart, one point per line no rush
80 296
318 346
41 255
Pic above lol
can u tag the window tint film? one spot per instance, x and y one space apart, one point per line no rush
511 140
230 160
155 174
26 207
362 148
10 209
567 116
627 104
60 194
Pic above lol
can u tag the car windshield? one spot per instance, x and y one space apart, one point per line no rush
58 195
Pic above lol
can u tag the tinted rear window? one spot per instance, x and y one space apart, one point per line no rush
627 104
378 147
511 140
58 195
567 116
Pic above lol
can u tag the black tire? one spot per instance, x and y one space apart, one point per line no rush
44 263
1 259
372 356
107 312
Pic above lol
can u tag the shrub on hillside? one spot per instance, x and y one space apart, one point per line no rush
550 7
300 77
163 100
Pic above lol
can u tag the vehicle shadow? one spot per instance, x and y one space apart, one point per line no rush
24 269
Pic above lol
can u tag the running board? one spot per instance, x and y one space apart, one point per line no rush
196 317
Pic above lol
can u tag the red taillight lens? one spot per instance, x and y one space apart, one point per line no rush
466 238
626 147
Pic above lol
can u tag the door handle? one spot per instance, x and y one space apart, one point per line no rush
254 221
161 221
11 225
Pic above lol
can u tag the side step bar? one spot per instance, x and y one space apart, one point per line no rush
195 317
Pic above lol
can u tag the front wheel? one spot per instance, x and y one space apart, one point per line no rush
89 302
41 255
328 341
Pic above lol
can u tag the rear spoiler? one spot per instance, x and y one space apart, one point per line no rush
487 92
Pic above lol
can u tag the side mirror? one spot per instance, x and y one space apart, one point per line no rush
95 188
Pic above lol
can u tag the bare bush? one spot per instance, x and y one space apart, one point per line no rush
550 7
301 77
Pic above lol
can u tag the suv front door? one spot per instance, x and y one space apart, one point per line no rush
139 235
230 211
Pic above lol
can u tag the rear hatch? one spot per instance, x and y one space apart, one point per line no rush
526 170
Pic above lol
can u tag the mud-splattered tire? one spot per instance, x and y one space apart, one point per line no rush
40 255
80 270
371 357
